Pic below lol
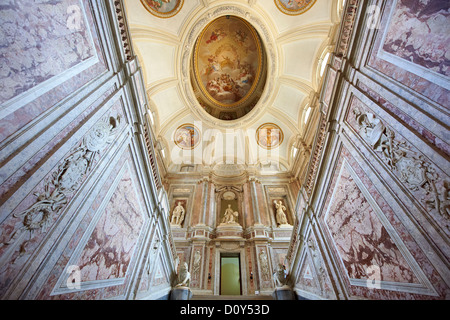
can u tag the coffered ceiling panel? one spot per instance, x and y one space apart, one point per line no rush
300 58
289 101
138 16
168 103
320 11
158 60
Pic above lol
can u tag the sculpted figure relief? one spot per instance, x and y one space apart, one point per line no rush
280 275
184 276
178 215
230 216
281 216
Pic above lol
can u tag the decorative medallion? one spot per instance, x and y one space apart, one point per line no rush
294 7
187 136
229 68
163 8
269 136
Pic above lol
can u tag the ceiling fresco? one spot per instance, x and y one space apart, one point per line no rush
228 68
231 82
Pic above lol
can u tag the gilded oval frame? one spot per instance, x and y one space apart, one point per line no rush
258 74
294 12
265 126
163 15
197 137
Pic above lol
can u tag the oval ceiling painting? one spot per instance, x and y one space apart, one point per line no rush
163 8
269 136
229 68
187 136
294 7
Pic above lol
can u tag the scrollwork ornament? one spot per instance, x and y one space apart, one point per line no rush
411 168
65 180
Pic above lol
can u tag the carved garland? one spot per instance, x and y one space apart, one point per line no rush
63 182
410 167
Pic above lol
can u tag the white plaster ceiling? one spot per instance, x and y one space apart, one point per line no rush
298 43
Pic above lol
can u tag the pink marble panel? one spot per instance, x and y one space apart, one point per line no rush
15 252
419 32
102 232
406 238
360 237
28 67
40 40
413 17
110 248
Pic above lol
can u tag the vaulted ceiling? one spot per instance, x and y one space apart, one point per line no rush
295 45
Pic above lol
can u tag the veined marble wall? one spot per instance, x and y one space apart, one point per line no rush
374 219
79 216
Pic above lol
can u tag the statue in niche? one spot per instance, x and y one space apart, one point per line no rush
230 216
281 216
184 276
178 215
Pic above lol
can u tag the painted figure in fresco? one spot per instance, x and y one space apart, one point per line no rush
296 4
157 4
186 137
281 216
178 215
216 35
230 215
269 137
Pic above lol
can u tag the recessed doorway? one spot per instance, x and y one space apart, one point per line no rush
230 275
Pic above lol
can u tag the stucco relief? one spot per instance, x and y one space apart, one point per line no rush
59 187
416 172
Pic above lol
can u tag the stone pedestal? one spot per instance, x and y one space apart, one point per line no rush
285 226
229 230
181 293
284 293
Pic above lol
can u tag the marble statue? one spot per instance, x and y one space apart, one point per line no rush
184 276
230 216
281 216
280 276
178 215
